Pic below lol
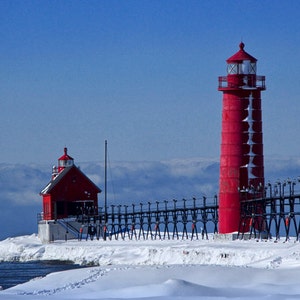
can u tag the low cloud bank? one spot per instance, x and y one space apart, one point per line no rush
128 182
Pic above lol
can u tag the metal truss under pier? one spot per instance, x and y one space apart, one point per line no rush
176 219
273 216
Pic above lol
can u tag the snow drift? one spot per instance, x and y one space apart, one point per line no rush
160 269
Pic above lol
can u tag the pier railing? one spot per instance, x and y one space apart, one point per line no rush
186 218
275 214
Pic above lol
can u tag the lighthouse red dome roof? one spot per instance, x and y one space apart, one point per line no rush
66 156
241 55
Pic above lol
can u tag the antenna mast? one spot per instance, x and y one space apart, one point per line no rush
105 184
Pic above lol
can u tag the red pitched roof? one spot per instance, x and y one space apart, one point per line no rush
66 156
241 55
54 182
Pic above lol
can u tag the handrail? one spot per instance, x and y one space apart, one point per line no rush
244 82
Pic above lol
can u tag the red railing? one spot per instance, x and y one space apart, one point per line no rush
241 82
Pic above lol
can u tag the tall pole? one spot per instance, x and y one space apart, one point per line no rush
105 184
105 192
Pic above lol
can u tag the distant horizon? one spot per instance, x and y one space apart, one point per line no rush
128 182
53 159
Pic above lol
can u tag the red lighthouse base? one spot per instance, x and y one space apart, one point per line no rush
229 206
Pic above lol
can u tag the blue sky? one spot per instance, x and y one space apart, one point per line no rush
141 74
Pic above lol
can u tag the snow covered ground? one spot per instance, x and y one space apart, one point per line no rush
160 269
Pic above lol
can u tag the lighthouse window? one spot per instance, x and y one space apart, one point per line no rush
252 68
248 67
232 68
65 163
69 163
61 163
245 67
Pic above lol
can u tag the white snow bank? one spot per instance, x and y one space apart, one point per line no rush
262 254
176 269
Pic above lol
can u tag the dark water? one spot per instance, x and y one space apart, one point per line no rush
13 273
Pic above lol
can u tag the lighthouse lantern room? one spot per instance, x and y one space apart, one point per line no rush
65 161
241 160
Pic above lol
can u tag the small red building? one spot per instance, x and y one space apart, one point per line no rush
69 193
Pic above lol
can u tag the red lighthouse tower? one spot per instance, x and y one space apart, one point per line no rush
241 161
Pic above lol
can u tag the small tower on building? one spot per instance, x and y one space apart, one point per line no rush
241 161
